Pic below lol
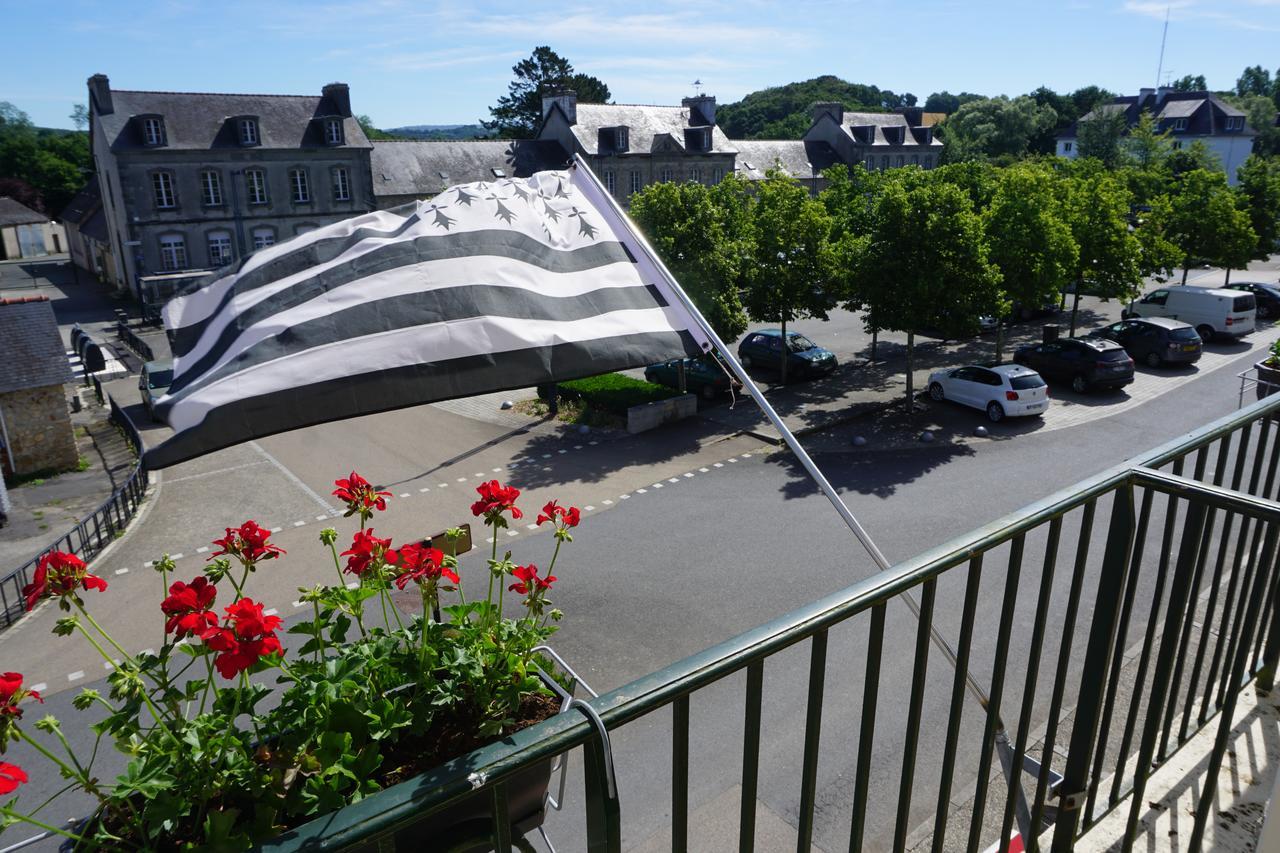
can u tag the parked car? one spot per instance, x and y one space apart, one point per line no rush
1211 310
1087 363
1154 340
154 382
1267 296
704 376
1006 391
804 357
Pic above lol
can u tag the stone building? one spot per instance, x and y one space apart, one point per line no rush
25 233
35 423
800 160
412 169
195 181
86 228
876 140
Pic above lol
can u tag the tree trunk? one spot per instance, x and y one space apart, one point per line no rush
911 393
875 333
1228 279
1075 308
786 351
1186 262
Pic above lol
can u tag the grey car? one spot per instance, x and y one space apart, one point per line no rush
1155 341
154 382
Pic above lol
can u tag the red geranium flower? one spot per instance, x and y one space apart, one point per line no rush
12 692
419 565
365 552
359 496
11 776
248 637
248 543
188 608
529 580
60 574
496 499
569 517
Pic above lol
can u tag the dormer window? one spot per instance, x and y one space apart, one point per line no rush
1235 122
153 131
333 131
1179 124
697 138
248 129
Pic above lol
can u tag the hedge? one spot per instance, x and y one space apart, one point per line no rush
614 392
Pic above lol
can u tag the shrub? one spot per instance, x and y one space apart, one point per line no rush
614 392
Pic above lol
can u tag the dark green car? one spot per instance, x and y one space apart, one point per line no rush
702 376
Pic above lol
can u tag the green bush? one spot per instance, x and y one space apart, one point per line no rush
614 392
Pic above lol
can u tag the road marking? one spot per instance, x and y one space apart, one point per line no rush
593 443
577 447
322 518
169 481
297 604
705 470
299 524
205 548
608 503
496 470
546 456
39 688
640 492
513 532
461 480
746 456
270 612
106 664
424 490
293 478
276 529
732 459
405 495
353 584
122 571
588 508
479 475
673 480
717 465
146 652
688 473
442 485
562 450
75 676
655 486
530 526
177 556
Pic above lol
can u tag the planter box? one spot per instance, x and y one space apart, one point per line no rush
647 416
1268 379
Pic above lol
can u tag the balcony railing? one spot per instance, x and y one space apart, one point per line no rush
1101 627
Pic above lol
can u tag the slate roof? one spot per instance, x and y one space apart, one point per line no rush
1203 111
31 351
798 159
95 227
199 120
80 208
13 212
869 129
645 124
422 167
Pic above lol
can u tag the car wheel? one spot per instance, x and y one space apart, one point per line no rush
1264 312
1205 332
708 392
1079 384
744 360
995 412
1153 359
935 391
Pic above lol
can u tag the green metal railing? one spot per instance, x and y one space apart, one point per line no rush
1157 625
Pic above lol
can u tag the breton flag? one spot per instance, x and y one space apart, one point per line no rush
486 287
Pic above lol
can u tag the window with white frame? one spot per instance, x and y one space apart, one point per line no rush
695 174
255 185
220 253
248 131
915 159
620 140
717 175
611 181
667 174
153 131
636 181
1066 146
173 252
299 192
263 237
901 161
210 188
1180 124
1235 122
162 189
333 131
1177 145
341 184
871 164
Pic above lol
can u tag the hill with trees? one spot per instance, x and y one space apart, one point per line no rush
782 112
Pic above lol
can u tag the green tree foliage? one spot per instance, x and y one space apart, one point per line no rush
994 128
702 236
1029 242
1192 157
1207 224
52 163
1096 209
366 124
1256 80
519 112
1147 146
1260 113
79 117
945 102
979 180
1190 83
1088 98
1100 136
925 265
793 271
782 112
1259 187
1157 253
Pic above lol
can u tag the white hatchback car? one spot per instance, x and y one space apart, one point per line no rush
1009 390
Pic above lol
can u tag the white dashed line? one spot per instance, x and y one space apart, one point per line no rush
297 604
106 664
321 517
205 548
271 611
587 508
640 492
688 473
405 494
562 450
746 456
40 688
530 526
732 459
75 676
593 443
496 470
717 465
513 532
577 447
461 480
276 529
674 480
147 652
442 485
546 456
705 470
489 539
299 524
479 475
654 486
608 503
353 584
176 556
623 497
424 490
122 571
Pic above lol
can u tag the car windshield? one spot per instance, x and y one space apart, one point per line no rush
160 379
799 343
1113 355
1026 381
1185 333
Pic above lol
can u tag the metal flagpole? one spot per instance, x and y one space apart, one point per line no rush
605 200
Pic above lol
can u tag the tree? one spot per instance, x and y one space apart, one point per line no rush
1088 98
945 102
79 116
1260 113
1147 147
1259 187
519 112
1190 83
1046 141
793 271
52 163
1029 243
993 127
1157 253
925 264
1194 156
1206 224
1096 209
1256 80
1100 135
783 112
702 242
366 124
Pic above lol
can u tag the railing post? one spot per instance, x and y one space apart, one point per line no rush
1093 676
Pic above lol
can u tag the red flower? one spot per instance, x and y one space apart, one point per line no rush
496 499
529 580
188 608
359 496
570 517
419 565
248 542
366 551
248 637
59 574
11 693
11 776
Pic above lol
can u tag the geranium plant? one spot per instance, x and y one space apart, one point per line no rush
369 697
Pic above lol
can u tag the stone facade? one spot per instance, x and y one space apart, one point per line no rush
38 425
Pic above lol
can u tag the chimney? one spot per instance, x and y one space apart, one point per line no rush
835 109
702 110
100 94
1162 93
566 99
339 97
913 115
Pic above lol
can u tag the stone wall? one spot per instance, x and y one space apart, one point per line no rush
38 424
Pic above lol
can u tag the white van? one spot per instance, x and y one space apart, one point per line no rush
1211 311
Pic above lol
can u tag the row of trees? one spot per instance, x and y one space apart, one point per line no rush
919 250
39 167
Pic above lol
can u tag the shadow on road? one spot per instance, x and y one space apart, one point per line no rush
538 467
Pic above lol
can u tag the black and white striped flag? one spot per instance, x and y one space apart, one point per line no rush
486 287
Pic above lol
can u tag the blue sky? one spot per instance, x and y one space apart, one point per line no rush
445 62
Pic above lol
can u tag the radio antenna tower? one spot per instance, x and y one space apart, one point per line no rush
1163 38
